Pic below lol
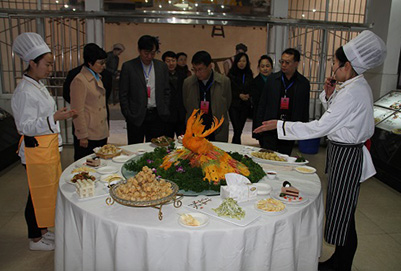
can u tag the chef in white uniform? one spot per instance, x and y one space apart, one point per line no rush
348 123
36 117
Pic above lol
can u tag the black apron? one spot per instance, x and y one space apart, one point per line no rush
344 167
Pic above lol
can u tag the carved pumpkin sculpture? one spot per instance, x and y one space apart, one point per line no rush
215 162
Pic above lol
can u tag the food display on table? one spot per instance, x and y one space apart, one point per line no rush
290 194
162 141
111 178
288 190
305 170
93 162
108 151
189 220
85 188
83 169
144 187
268 156
230 208
204 164
270 205
83 176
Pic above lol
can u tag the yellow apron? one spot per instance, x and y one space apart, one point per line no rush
43 168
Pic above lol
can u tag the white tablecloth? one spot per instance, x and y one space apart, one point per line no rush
91 235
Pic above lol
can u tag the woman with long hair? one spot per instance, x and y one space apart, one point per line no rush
265 67
348 123
241 78
37 120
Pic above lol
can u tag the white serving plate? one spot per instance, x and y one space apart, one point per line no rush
281 163
103 163
203 220
289 199
307 170
121 158
107 170
269 212
104 177
250 214
69 177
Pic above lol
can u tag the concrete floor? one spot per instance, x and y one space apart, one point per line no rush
378 216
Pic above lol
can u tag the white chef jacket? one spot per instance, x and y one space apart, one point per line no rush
348 119
33 109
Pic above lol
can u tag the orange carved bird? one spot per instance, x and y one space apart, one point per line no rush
215 162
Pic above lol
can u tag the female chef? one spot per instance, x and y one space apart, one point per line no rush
36 118
348 123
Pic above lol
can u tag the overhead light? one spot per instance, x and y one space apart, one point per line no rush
169 2
222 6
181 5
196 4
160 6
66 6
314 10
303 15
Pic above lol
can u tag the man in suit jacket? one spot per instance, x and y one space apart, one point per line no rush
145 93
209 91
285 97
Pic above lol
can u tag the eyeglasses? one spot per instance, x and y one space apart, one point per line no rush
281 61
200 70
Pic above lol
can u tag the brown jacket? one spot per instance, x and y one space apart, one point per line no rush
88 98
221 100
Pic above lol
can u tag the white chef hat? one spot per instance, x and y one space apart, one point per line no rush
119 46
29 46
365 51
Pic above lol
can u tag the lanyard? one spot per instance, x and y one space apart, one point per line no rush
243 78
147 74
285 86
206 90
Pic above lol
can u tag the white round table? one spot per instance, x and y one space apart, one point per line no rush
90 235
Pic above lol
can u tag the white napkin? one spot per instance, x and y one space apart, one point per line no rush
238 187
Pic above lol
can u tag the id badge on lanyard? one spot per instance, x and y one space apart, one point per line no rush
147 75
204 106
285 101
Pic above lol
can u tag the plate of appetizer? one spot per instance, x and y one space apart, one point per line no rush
193 220
72 178
305 170
270 206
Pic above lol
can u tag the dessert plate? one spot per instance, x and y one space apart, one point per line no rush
121 158
203 220
107 170
291 199
305 170
103 163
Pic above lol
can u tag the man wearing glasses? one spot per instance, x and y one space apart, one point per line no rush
145 93
285 97
210 92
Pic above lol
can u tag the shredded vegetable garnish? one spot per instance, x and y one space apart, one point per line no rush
230 208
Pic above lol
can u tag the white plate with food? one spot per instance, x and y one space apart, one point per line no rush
305 170
290 199
71 178
107 170
206 205
111 178
193 220
275 159
270 206
263 188
121 158
103 163
81 168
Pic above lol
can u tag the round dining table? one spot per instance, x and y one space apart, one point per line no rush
92 235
